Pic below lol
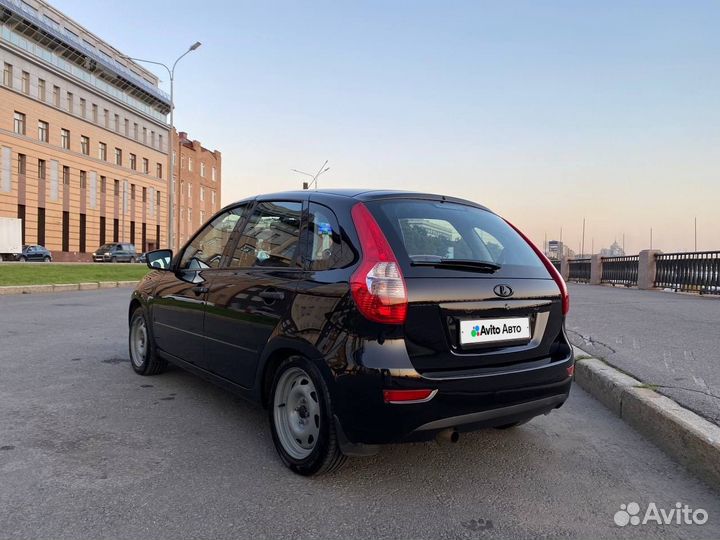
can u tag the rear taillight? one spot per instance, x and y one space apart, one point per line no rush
377 286
564 294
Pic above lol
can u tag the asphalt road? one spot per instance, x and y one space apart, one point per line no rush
89 449
661 338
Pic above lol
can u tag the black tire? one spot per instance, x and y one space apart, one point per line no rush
23 259
147 363
132 259
326 455
46 259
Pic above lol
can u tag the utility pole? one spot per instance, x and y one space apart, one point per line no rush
582 248
321 170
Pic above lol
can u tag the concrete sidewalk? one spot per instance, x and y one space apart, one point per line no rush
665 339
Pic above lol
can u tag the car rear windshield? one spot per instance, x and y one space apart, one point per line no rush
435 237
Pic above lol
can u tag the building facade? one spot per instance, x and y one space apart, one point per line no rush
198 182
83 137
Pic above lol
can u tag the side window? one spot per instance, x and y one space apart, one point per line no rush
270 237
206 249
324 240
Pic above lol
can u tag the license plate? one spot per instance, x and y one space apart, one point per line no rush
493 330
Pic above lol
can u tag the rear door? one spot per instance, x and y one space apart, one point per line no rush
251 296
478 295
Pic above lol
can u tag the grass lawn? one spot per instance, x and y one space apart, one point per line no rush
52 273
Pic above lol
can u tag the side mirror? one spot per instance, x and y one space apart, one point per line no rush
160 259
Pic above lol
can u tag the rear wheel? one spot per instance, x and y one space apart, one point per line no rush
143 356
46 259
23 258
301 419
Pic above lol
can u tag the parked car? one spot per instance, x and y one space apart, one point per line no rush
34 252
360 318
115 253
142 258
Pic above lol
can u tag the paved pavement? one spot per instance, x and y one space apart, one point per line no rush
662 338
90 450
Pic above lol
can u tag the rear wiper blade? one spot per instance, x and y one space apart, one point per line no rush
460 264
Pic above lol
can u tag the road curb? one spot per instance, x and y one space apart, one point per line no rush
64 287
684 435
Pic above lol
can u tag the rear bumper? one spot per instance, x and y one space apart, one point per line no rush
463 402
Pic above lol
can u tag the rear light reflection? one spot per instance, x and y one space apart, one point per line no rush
408 396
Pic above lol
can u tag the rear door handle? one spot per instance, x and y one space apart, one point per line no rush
272 295
200 289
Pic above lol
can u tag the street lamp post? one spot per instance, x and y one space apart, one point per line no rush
321 170
170 171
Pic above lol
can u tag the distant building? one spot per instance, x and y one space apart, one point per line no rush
198 181
557 250
83 136
615 250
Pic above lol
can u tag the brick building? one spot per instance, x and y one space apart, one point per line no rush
198 182
83 138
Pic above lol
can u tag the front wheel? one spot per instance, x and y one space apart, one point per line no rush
301 419
23 259
143 357
46 259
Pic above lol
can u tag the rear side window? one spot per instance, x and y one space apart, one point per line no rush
270 237
434 231
325 245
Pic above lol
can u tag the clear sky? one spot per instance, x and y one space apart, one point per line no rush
547 112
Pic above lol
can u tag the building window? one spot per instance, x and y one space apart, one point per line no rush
144 135
133 162
135 131
83 227
56 96
190 165
8 75
19 123
102 151
83 180
158 170
66 176
146 165
202 195
160 141
118 156
22 164
189 190
83 107
107 118
41 89
117 188
65 139
103 187
117 123
41 226
212 199
25 83
41 169
157 198
66 231
70 102
102 230
116 230
43 131
132 192
144 195
152 138
94 113
85 145
212 174
202 169
127 127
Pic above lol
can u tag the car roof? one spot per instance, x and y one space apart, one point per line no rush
360 195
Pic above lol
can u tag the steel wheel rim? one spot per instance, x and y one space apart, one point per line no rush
296 410
138 341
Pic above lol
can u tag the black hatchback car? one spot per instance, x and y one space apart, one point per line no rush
34 253
360 318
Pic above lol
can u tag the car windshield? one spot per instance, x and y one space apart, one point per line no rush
106 247
436 233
